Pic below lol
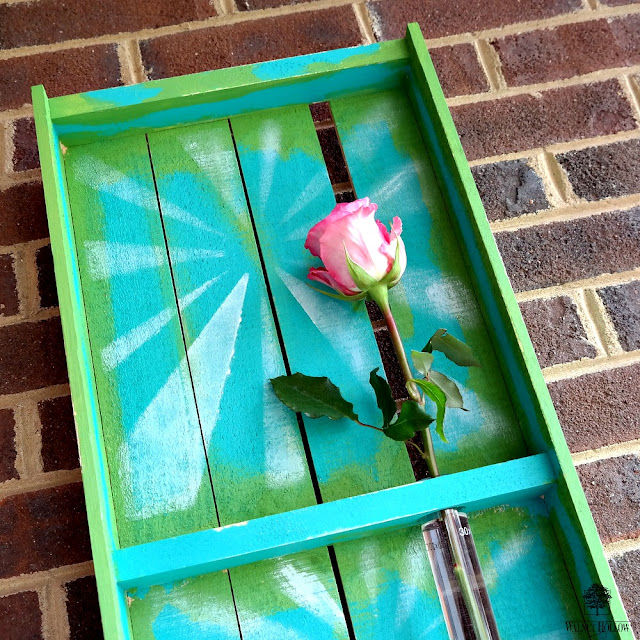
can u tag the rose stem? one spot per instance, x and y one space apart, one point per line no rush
381 298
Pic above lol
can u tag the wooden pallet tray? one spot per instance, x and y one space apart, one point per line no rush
178 211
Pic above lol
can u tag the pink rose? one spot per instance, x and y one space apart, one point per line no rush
352 228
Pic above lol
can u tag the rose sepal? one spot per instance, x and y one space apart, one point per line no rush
361 278
340 296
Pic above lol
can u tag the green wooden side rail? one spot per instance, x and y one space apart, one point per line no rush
178 209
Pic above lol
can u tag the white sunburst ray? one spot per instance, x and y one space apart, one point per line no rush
315 307
314 188
212 351
106 259
389 187
122 347
163 470
115 183
219 164
271 145
284 459
309 593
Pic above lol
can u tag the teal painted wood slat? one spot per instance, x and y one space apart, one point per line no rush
155 453
389 163
337 521
255 452
289 191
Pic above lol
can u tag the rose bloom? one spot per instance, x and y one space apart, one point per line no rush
352 226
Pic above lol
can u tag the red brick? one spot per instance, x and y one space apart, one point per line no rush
558 115
607 171
561 252
7 446
626 571
82 609
25 144
459 70
612 488
599 409
509 189
556 331
20 617
61 72
59 445
9 302
31 356
249 42
46 278
333 156
439 18
623 304
31 23
42 530
569 50
23 216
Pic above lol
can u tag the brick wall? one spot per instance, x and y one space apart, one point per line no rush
546 97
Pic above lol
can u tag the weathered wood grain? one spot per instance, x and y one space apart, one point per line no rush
518 552
254 447
156 458
389 163
386 576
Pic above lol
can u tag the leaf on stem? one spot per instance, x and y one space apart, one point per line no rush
450 389
411 419
385 400
454 349
422 362
315 397
437 395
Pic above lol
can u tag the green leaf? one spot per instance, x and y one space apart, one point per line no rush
450 389
412 418
454 349
315 397
362 279
422 362
385 400
437 395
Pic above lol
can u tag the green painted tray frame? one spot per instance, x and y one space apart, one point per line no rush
84 118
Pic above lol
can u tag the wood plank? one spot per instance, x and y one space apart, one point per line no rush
289 191
254 447
156 458
159 479
389 163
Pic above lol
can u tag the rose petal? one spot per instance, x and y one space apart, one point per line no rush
322 275
340 211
